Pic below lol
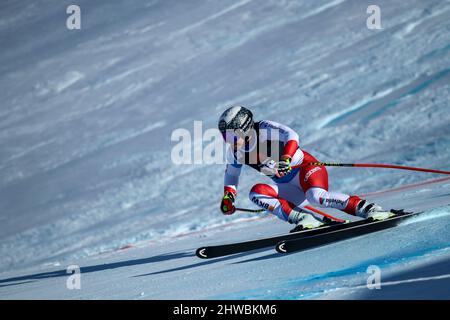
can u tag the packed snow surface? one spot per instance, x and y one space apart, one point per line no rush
86 120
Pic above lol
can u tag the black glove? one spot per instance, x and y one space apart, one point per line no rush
284 167
227 205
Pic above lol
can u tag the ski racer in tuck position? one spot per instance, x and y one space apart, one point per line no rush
273 149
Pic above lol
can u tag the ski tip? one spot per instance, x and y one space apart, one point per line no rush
201 253
400 212
403 213
281 247
397 211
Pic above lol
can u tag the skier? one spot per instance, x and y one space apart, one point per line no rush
273 149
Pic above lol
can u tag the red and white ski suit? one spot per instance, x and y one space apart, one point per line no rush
270 142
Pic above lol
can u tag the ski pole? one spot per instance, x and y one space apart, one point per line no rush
324 214
306 207
370 165
250 210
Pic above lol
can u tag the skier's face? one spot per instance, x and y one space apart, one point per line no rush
239 143
235 138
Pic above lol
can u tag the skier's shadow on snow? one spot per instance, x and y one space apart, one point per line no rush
266 257
94 268
15 284
203 263
121 264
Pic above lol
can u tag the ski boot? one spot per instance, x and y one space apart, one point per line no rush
303 221
368 210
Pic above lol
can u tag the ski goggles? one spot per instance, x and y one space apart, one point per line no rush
234 135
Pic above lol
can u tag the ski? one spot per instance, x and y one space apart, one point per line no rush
351 230
238 247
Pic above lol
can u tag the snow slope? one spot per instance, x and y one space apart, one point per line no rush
86 118
414 260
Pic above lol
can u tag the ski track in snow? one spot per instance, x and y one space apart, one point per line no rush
85 130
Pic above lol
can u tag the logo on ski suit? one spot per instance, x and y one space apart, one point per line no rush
260 203
310 173
329 201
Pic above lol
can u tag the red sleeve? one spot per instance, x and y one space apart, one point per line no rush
289 149
229 189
